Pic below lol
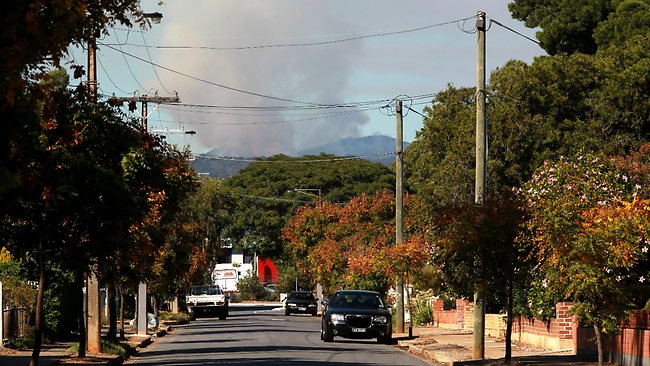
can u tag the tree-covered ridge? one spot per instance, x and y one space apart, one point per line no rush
269 192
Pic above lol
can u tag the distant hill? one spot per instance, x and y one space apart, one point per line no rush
219 167
359 146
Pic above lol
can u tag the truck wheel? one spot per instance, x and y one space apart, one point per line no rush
222 315
287 312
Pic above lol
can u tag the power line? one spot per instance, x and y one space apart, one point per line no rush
153 67
319 43
414 111
371 104
241 123
513 31
109 77
260 160
207 81
129 67
273 198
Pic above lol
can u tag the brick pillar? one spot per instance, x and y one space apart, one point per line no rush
438 306
566 324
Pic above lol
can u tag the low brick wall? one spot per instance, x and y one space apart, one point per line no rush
555 334
630 347
450 319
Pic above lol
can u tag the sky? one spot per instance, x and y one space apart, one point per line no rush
264 77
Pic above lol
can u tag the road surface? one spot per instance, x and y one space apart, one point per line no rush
263 335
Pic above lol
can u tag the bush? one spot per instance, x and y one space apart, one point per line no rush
174 317
421 311
251 289
111 347
20 344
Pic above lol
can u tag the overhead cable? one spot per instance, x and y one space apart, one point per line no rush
259 160
319 43
210 82
513 31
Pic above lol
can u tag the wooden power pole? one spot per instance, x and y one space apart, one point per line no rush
144 99
478 350
399 215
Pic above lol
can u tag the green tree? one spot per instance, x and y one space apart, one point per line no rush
584 26
268 193
631 18
567 25
211 208
475 251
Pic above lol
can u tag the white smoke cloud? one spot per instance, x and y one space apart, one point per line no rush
414 63
312 74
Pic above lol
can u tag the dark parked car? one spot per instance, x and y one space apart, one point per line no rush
356 314
301 302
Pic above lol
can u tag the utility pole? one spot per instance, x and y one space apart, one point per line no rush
93 299
480 184
399 214
144 99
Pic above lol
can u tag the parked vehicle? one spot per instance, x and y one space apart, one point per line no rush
301 302
356 314
207 299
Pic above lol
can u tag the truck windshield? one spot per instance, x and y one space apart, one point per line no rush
205 290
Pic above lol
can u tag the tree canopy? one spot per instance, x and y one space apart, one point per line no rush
588 228
268 192
584 26
353 245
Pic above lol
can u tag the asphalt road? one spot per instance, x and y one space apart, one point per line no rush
262 335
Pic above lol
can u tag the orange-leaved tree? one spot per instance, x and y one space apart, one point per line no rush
353 245
588 228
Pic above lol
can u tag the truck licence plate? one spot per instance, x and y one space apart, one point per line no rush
358 330
302 309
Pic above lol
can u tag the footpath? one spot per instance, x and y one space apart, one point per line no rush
452 347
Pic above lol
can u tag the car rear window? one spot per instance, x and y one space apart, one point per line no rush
301 295
357 300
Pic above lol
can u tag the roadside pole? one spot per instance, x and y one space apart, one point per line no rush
93 315
478 349
399 215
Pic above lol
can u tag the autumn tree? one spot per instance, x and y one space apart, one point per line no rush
353 245
588 230
37 35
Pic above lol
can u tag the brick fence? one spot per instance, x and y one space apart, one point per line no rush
630 347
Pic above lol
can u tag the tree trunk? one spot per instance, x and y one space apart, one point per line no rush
509 320
599 343
38 326
82 315
121 312
112 313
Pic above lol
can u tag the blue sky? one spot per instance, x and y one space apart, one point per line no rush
244 98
